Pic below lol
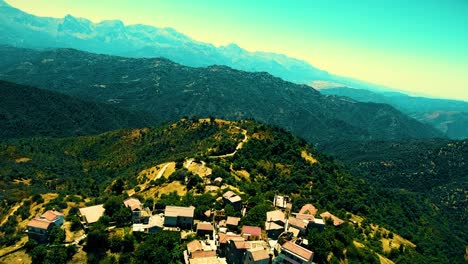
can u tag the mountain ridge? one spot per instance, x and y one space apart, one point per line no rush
171 91
449 116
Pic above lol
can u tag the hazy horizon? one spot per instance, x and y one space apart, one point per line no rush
420 47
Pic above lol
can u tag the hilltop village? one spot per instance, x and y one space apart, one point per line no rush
219 207
219 238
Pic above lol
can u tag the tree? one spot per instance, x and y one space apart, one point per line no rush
97 238
57 255
56 235
38 254
160 247
256 215
112 205
118 186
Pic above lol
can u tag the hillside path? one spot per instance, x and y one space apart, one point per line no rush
161 171
239 146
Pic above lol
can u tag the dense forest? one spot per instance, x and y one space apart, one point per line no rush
27 111
171 91
100 168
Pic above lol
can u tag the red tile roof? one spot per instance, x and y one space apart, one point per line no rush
336 221
39 223
205 226
223 238
252 230
203 254
241 245
260 255
308 209
298 250
308 217
276 215
50 215
193 246
133 203
234 221
299 223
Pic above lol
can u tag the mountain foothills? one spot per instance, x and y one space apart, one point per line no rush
44 173
26 111
449 116
170 91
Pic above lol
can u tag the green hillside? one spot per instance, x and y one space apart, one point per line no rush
27 111
171 91
94 169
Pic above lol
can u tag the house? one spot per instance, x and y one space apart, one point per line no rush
90 215
307 217
251 232
237 249
178 216
53 216
133 204
336 221
317 223
38 229
139 214
308 209
273 230
218 181
233 199
201 252
155 223
277 217
299 224
294 254
262 256
223 241
205 228
232 223
282 201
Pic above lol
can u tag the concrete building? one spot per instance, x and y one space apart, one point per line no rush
90 215
178 216
294 254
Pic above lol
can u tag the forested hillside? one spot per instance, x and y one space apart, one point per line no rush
171 91
271 161
449 116
27 111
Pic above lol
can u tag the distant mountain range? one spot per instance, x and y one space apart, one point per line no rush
27 111
170 91
20 29
449 116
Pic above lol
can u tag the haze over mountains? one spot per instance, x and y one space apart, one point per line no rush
113 37
449 116
20 29
170 91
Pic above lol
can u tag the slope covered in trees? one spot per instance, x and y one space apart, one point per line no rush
27 111
171 91
270 162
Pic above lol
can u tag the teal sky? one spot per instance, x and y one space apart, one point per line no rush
416 46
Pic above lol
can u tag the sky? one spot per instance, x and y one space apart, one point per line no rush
416 46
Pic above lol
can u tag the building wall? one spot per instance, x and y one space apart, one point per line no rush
186 222
170 221
249 260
